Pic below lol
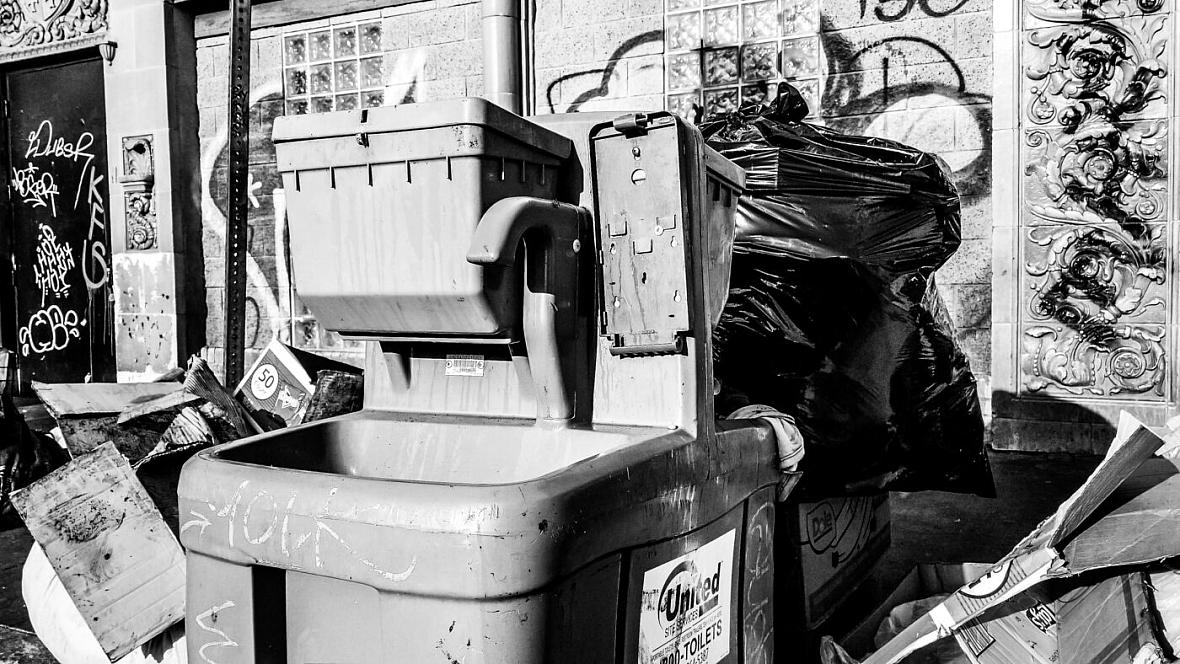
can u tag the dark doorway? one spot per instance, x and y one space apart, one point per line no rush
60 323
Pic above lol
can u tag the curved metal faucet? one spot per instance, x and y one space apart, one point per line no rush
551 233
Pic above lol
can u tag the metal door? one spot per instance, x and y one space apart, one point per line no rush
57 193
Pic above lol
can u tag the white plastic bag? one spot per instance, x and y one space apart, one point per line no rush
64 632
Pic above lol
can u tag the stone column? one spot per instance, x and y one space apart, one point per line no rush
154 207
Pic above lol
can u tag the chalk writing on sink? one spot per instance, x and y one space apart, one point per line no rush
256 518
207 620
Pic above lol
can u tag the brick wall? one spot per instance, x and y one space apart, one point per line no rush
918 71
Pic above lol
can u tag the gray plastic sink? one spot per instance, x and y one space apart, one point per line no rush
388 447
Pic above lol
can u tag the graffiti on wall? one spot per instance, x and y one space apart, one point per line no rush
873 89
272 306
898 86
597 78
46 158
266 300
896 10
1095 241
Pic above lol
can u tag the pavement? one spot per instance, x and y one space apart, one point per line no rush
927 527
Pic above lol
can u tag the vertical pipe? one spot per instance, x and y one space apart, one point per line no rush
529 79
502 76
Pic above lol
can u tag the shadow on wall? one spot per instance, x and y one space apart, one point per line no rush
1044 423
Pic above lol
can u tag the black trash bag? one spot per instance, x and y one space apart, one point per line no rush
833 316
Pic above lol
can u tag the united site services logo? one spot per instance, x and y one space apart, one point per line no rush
685 608
687 595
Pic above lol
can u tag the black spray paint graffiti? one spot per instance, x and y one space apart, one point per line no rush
848 103
606 73
904 7
851 105
52 327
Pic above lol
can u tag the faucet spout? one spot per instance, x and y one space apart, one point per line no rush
550 232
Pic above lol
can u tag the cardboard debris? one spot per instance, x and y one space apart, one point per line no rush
200 390
109 545
1165 591
1103 620
335 393
88 414
1127 512
836 543
278 388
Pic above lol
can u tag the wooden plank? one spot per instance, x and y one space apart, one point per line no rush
271 14
83 399
110 547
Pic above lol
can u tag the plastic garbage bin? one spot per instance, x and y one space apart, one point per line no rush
463 516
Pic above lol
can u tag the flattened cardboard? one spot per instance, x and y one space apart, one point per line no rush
119 562
1043 554
1108 622
1095 621
88 414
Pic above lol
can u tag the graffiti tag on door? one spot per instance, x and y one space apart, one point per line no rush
60 165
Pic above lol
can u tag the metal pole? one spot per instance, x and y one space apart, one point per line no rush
238 204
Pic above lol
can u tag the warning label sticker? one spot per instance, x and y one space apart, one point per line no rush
684 614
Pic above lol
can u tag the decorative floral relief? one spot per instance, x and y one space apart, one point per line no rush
1102 171
1093 288
1091 278
1096 71
1096 200
25 23
1131 364
141 221
1085 10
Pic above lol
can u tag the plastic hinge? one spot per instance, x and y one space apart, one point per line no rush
626 345
631 123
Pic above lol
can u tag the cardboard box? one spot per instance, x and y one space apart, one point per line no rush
278 387
115 556
836 544
1096 622
1126 513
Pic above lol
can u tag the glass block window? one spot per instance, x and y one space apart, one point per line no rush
334 69
722 54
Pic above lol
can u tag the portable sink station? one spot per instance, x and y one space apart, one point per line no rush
537 474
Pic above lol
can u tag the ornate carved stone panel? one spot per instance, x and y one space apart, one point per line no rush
1095 239
1079 74
1077 11
1096 310
138 179
1102 173
26 24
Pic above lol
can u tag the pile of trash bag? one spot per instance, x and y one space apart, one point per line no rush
833 316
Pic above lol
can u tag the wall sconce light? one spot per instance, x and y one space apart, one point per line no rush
107 51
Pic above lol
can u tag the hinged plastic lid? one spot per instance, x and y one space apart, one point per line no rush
410 117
